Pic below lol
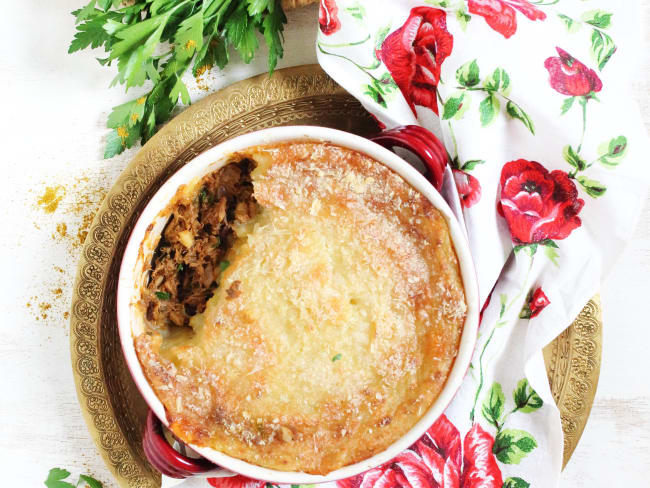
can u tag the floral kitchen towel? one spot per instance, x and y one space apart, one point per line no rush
549 159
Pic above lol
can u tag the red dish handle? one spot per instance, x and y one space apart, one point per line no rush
423 144
165 458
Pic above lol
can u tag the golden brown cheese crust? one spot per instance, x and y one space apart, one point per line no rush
333 329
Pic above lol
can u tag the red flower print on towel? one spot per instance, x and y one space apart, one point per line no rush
538 302
535 303
469 188
407 470
536 204
438 460
569 76
328 17
501 15
472 466
379 123
414 53
238 481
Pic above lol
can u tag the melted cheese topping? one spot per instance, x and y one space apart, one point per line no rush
334 327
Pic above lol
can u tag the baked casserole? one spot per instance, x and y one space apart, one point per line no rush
303 307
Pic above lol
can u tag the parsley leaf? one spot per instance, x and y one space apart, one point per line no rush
257 7
90 481
272 26
240 34
56 476
90 33
55 479
163 295
87 12
106 4
114 145
121 138
179 89
336 358
131 38
213 52
189 36
125 113
223 265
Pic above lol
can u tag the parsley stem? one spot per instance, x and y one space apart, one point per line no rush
218 12
214 8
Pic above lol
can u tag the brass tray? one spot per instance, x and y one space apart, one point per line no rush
111 404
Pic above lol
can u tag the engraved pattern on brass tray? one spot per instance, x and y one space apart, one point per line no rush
111 404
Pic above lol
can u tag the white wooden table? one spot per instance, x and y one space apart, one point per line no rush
53 132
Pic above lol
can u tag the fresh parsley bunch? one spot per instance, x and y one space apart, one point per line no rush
191 33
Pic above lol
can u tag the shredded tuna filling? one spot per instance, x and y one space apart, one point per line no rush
188 260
